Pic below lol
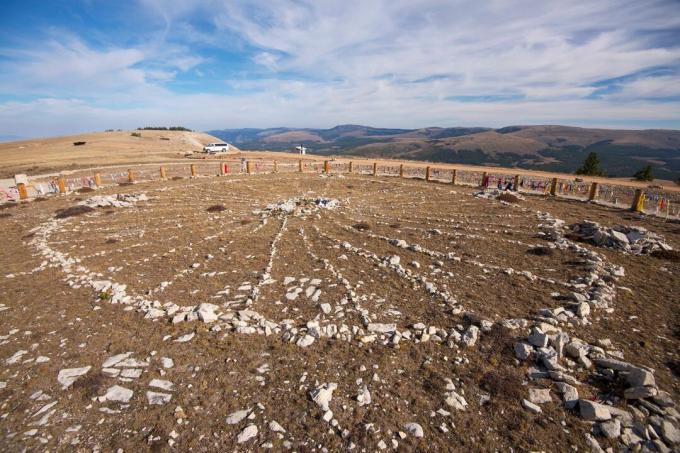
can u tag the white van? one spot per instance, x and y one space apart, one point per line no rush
216 148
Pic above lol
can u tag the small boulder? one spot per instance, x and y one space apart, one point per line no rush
414 429
248 433
539 396
591 410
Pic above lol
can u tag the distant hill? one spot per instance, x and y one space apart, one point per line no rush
44 155
549 148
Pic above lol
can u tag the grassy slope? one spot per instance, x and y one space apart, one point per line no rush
102 148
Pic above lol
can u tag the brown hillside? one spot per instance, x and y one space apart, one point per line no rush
101 148
564 136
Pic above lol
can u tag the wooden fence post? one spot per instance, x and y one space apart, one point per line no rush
401 170
131 175
23 194
98 179
162 171
301 166
375 169
515 184
593 191
427 173
453 176
249 167
193 170
484 180
553 187
638 201
351 166
326 167
276 167
62 185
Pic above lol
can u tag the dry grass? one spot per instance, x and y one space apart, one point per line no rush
73 211
216 208
670 255
541 251
8 205
508 198
361 226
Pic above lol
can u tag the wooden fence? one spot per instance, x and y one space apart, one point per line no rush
648 200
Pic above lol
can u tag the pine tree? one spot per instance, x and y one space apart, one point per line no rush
645 174
591 166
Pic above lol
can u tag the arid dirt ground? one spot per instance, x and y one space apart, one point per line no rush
172 249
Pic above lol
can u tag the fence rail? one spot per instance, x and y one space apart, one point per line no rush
647 200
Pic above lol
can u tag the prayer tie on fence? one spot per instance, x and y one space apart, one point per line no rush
637 200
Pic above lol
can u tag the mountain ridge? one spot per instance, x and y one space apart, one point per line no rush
538 147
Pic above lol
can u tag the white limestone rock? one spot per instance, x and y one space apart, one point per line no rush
539 396
238 416
470 336
276 427
414 429
591 410
206 312
381 328
523 350
323 394
531 407
68 376
117 394
364 396
158 398
248 433
114 360
161 384
456 401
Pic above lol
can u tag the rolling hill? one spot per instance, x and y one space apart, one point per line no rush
42 155
548 148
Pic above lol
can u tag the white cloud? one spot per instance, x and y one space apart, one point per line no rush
266 59
379 62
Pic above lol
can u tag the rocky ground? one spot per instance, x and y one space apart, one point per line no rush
310 313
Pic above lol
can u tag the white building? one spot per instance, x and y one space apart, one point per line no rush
301 149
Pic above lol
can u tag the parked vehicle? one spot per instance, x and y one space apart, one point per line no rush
216 148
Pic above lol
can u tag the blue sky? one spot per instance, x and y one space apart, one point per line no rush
84 65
